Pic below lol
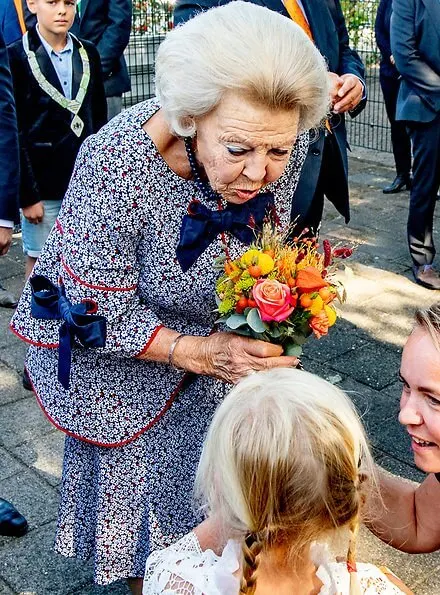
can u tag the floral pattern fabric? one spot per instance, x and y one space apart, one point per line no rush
114 243
135 427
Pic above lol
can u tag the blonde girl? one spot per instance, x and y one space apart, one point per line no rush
284 468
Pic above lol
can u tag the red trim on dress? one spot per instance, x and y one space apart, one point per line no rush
91 305
36 343
59 226
145 349
113 444
99 287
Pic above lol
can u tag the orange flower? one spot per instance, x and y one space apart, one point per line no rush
309 280
232 270
319 324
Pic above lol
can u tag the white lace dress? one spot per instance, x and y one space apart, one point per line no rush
185 569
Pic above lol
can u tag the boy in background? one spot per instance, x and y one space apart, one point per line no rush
60 100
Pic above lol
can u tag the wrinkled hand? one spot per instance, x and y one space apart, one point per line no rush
349 94
230 357
5 239
35 213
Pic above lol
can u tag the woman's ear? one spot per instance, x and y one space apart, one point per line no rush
189 123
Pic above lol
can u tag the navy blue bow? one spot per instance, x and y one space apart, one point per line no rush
201 226
49 302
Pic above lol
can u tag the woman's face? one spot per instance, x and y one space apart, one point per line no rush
243 146
420 400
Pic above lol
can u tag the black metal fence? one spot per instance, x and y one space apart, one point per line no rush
153 18
371 128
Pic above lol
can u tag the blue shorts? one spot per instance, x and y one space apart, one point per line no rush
34 235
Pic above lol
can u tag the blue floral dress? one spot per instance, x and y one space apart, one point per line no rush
134 428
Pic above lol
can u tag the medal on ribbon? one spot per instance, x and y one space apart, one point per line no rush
72 105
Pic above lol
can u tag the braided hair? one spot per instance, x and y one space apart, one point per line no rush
354 525
280 468
251 548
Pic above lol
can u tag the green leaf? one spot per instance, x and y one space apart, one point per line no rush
275 332
259 336
299 339
245 331
254 321
235 321
220 260
221 320
292 349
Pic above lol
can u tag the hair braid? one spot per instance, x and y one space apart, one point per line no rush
354 526
251 548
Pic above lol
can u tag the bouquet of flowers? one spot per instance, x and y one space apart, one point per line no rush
280 290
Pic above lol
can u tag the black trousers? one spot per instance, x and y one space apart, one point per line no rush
332 182
425 138
399 136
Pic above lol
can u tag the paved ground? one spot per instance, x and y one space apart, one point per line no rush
361 355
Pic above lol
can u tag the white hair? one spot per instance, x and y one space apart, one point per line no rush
244 48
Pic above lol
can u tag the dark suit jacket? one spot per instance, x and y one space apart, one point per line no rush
9 25
107 23
415 44
382 28
48 146
331 38
9 172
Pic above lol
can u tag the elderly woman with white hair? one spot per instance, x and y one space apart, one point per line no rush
119 310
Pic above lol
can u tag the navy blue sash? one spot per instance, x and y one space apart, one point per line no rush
49 302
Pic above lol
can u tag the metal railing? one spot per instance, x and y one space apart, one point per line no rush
371 128
153 18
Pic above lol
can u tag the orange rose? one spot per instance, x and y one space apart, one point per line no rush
274 300
309 280
319 324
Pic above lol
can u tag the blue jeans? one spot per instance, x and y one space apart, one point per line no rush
34 235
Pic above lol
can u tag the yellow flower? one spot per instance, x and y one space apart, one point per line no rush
264 261
317 305
331 315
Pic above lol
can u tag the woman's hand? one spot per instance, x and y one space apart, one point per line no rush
229 357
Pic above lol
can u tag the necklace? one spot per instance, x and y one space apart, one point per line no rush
73 105
205 189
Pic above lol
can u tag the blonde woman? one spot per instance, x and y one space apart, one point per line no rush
284 468
410 513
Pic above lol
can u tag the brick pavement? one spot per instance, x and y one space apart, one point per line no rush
361 355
